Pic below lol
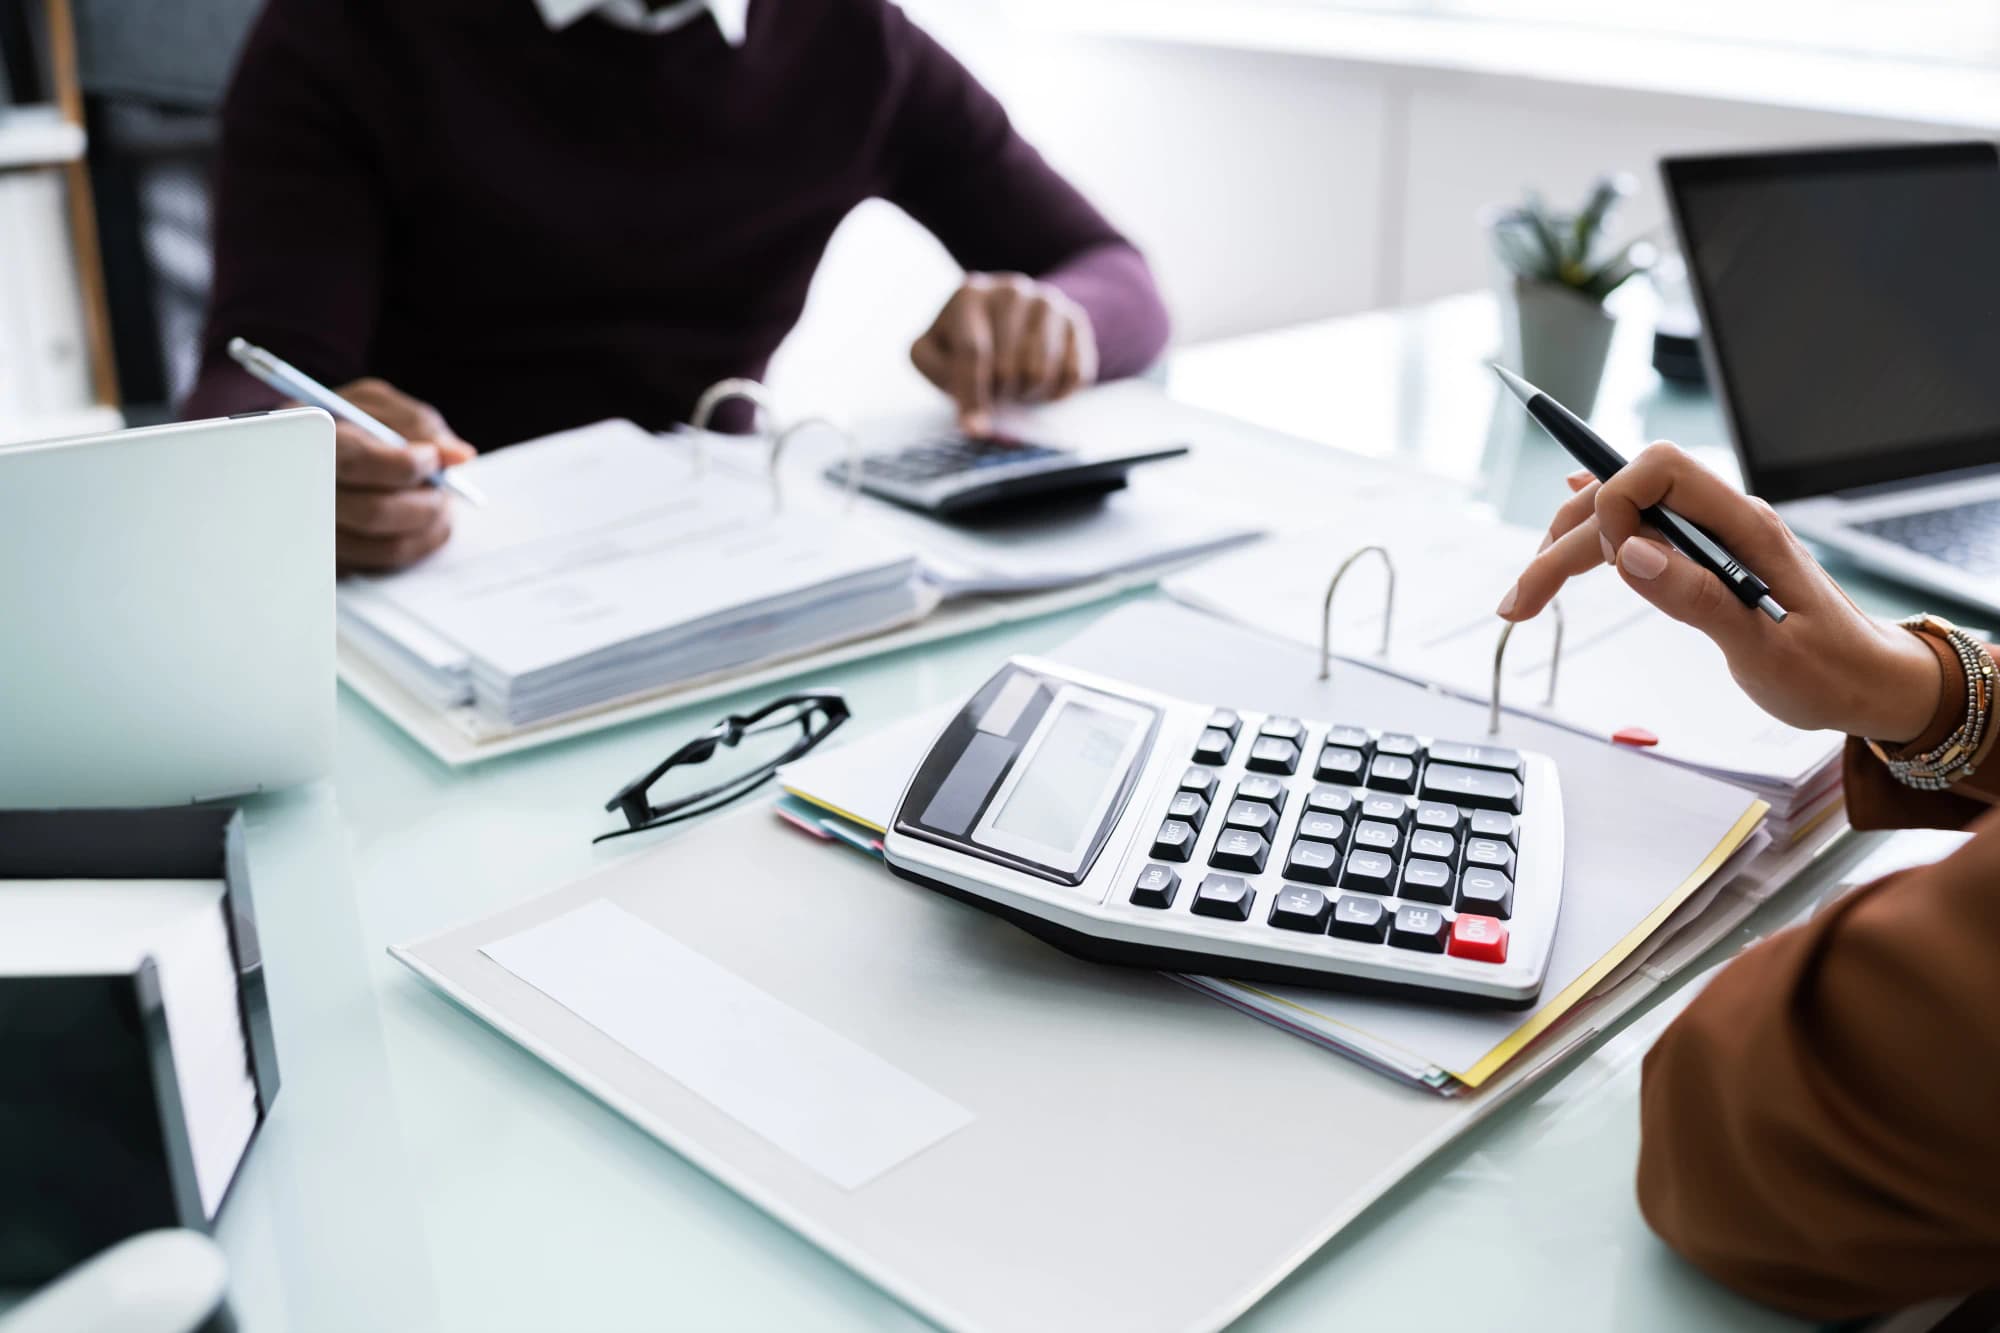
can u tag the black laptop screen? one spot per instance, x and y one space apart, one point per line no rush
1851 301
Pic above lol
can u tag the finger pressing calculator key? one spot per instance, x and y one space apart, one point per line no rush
1214 837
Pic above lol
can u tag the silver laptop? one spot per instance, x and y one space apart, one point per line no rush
167 612
1850 303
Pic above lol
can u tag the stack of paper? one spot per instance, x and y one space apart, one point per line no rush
1659 862
1625 668
609 563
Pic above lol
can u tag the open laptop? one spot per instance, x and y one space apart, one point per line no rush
167 612
1850 304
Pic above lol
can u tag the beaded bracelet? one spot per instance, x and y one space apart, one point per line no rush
1954 759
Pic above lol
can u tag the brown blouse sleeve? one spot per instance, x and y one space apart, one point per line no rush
1821 1127
1875 800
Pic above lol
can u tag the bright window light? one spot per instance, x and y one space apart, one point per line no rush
1954 31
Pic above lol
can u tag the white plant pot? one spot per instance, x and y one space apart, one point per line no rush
1558 339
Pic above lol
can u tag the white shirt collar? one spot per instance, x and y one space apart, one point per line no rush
731 16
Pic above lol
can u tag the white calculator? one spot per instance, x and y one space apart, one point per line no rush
1131 827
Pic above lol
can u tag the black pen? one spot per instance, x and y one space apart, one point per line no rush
1587 447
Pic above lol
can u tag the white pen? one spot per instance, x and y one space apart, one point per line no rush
287 378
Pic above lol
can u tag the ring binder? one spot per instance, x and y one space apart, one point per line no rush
1326 610
1500 654
727 391
754 393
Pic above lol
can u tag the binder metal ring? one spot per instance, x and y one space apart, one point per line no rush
730 390
1500 654
1326 610
754 393
852 485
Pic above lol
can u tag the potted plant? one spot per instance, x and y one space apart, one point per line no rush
1559 268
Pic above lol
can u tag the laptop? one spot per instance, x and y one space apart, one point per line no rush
168 612
1850 305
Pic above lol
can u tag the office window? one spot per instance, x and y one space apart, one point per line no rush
1954 31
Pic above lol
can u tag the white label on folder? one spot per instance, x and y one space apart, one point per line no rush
839 1108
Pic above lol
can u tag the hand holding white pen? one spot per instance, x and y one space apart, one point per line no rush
392 456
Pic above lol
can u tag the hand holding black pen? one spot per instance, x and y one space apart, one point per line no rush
1587 447
1827 666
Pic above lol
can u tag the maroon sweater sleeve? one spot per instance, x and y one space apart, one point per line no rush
957 165
300 217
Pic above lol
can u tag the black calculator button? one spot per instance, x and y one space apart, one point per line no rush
1495 825
1420 928
1252 815
1375 836
1214 747
1363 919
1239 849
1268 790
1369 872
1297 908
1156 887
1479 787
1223 719
1175 841
1313 862
1433 844
1284 728
1189 808
1489 854
1432 814
1268 754
1337 763
1487 893
1200 781
1332 800
1389 809
1426 881
1392 772
1476 756
1224 896
1352 738
1397 743
1318 826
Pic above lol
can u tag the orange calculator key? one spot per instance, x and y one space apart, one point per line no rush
1480 938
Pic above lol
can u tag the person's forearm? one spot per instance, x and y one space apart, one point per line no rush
1816 1127
1115 288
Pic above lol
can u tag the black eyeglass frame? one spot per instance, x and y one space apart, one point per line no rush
820 714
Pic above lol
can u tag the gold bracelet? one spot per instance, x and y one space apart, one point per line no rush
1957 756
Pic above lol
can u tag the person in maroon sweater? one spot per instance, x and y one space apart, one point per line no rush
524 215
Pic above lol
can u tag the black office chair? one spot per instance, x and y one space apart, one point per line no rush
153 78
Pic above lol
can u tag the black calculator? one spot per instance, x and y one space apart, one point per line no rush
960 474
1131 827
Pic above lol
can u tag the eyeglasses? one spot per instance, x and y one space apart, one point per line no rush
815 715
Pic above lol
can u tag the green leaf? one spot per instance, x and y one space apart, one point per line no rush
1545 233
1610 191
1635 258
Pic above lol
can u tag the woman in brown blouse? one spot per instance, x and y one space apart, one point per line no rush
1821 1126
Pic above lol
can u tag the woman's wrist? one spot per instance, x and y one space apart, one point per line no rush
1908 693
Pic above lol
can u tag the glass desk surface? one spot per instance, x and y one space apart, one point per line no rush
422 1172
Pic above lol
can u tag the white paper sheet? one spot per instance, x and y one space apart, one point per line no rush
605 535
834 1105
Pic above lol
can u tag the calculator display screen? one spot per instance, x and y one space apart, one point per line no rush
1081 755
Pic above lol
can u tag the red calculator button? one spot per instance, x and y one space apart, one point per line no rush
1479 938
